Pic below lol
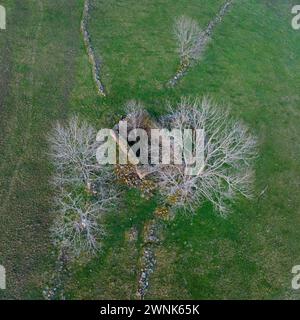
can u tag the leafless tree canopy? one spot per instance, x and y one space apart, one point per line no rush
85 190
135 114
77 227
73 149
190 38
229 150
228 153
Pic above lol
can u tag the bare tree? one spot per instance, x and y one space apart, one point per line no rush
86 189
73 151
135 114
190 39
228 152
77 227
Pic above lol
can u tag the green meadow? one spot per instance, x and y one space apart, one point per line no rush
252 65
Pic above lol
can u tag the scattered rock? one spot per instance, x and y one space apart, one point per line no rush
132 234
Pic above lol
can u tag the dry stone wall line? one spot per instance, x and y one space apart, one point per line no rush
208 33
96 64
55 288
147 260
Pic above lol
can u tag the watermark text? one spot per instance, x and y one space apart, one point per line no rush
181 147
2 18
296 278
2 278
296 19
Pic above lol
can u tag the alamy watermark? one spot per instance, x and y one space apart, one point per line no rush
180 147
2 278
2 18
296 278
296 19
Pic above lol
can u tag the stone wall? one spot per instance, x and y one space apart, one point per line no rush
183 69
96 64
147 260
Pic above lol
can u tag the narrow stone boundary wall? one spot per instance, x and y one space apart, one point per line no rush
96 64
147 260
207 33
55 288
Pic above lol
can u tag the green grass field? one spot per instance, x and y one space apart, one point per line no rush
252 64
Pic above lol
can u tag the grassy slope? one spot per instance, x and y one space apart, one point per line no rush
252 62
